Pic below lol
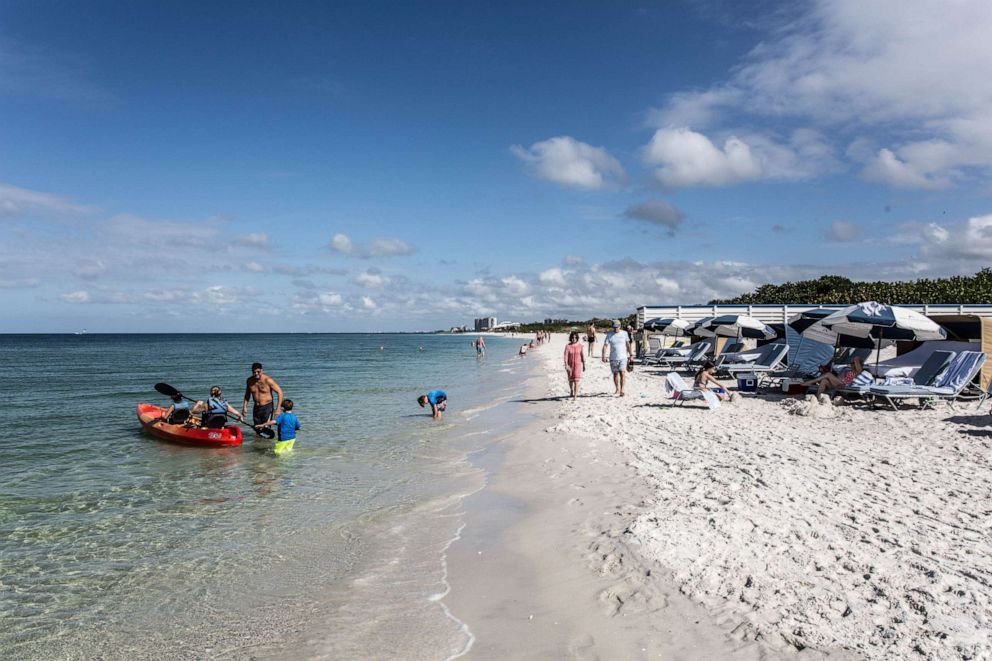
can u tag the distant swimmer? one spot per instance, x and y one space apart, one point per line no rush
438 400
480 346
420 348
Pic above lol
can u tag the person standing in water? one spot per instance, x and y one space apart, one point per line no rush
575 363
438 400
480 346
260 388
287 424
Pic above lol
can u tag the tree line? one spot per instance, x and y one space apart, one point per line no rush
835 289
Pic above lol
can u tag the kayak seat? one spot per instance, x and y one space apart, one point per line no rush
179 417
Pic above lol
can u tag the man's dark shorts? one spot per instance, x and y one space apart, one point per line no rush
261 413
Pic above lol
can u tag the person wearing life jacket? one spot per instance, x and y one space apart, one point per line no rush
215 410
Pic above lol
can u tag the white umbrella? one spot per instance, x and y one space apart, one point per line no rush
668 326
738 325
881 323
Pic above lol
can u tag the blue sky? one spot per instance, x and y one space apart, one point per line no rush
409 166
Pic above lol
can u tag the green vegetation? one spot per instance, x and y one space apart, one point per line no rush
834 289
601 324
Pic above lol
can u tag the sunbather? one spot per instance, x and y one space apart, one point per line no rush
831 381
705 376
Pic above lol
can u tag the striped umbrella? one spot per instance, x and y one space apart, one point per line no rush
739 326
696 328
882 323
667 326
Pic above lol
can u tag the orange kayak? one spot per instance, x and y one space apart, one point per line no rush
150 415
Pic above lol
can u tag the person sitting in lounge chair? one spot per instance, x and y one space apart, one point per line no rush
705 376
831 381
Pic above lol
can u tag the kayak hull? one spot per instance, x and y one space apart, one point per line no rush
150 417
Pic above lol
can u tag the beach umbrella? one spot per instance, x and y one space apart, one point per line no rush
667 326
803 320
697 328
882 323
739 326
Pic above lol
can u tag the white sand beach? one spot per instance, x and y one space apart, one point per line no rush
624 528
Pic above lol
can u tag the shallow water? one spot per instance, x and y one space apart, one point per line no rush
115 544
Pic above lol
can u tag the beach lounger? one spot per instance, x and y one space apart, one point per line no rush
771 357
693 354
679 392
927 375
954 383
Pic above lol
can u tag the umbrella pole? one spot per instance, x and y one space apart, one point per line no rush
878 354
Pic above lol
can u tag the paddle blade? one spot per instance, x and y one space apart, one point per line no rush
167 390
265 432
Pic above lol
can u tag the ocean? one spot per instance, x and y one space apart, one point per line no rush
114 544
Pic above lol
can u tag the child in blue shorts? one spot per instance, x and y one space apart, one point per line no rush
437 399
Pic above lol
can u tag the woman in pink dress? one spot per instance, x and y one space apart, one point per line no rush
575 362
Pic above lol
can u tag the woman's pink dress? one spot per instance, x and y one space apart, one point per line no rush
573 361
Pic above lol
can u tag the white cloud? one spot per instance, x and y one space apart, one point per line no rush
342 244
379 247
911 73
254 240
887 168
686 158
75 297
368 279
17 201
553 276
388 247
330 299
254 267
568 162
368 303
971 241
843 231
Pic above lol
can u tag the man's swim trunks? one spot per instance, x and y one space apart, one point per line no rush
261 413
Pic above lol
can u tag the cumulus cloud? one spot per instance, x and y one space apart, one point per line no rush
971 240
910 72
370 279
683 158
843 231
340 243
566 161
368 303
657 212
380 247
21 201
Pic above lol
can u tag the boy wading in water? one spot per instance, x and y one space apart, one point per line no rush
287 424
438 400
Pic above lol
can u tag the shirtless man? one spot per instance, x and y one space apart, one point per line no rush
260 387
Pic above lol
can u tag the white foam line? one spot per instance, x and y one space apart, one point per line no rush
447 589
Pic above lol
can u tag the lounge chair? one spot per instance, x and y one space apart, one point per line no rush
927 375
771 356
688 356
679 392
906 364
954 383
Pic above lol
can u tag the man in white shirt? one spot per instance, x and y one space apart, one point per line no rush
619 344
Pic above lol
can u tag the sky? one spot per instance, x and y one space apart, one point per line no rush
404 166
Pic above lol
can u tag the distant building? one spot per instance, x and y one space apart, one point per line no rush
506 325
485 324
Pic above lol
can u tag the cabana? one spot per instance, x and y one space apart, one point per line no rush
965 328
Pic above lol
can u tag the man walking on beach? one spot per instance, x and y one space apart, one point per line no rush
260 387
619 343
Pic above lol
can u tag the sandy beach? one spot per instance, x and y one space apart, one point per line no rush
770 528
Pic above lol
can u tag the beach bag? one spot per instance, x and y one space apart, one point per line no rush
630 364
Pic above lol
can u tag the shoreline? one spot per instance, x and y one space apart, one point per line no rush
540 572
771 527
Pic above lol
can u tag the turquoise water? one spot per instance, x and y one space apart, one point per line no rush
115 544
